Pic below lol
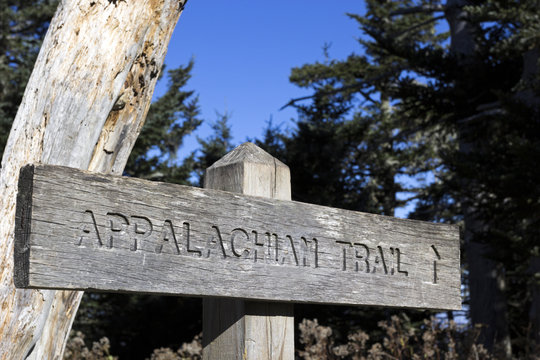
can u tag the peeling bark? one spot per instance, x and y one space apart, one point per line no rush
83 107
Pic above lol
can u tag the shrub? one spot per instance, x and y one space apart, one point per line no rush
433 339
400 340
76 348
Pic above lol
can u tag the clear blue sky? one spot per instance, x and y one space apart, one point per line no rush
244 51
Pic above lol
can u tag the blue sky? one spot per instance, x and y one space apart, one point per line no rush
244 51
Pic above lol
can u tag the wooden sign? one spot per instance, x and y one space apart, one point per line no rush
82 231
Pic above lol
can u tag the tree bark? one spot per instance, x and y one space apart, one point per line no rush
83 107
485 276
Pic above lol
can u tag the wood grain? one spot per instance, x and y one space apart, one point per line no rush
236 328
89 231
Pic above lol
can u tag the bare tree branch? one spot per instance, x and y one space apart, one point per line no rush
331 92
416 26
368 97
357 86
426 8
481 115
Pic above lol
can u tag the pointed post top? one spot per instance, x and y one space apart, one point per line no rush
248 152
250 170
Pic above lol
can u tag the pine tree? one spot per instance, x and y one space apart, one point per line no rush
170 118
360 92
465 108
349 147
23 25
214 147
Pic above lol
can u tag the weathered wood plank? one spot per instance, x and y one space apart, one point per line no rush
88 231
236 328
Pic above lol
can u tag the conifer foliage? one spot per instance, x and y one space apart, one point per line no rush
170 119
23 24
440 105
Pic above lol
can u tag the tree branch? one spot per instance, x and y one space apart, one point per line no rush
368 97
481 115
416 26
427 8
358 85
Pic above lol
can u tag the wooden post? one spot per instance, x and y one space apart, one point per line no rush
238 329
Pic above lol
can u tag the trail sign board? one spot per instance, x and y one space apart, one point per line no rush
82 231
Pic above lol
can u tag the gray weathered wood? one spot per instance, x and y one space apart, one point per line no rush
78 230
235 328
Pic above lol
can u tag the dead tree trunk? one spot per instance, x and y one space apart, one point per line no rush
83 107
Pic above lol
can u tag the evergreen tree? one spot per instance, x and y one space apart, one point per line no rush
349 148
215 146
465 107
170 118
359 93
23 25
